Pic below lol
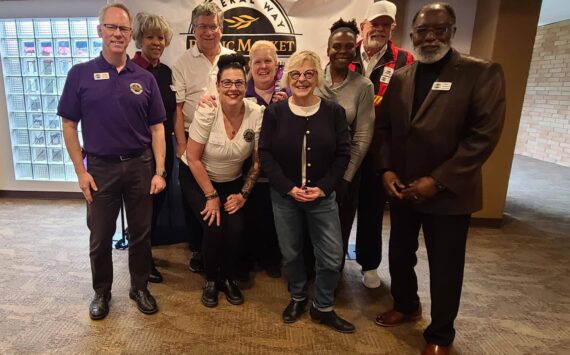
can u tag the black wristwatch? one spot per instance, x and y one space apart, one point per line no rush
162 174
244 194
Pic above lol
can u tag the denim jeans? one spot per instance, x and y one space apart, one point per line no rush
323 222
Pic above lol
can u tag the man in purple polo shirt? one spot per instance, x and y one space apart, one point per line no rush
121 113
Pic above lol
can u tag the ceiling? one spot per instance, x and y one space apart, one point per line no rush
554 11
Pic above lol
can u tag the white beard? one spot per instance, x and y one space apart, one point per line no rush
372 43
430 58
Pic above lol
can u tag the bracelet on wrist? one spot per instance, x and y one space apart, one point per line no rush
212 195
244 194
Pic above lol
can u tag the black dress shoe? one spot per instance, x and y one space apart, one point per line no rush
145 302
196 263
99 307
332 320
210 294
155 276
231 289
294 310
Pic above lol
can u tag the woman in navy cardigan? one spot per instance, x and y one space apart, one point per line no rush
304 149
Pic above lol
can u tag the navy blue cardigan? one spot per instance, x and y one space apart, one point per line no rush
281 141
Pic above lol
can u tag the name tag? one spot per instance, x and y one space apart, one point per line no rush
216 139
441 86
101 76
386 75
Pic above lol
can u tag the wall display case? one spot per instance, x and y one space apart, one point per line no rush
36 55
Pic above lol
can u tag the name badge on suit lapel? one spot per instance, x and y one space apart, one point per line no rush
386 75
441 86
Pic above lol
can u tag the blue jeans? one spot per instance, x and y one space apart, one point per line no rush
323 222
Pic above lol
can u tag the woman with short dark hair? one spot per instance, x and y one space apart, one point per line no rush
221 138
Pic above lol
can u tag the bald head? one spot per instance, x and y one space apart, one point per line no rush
440 6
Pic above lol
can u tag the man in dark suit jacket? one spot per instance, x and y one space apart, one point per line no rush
440 120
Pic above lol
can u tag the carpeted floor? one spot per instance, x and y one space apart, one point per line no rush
515 297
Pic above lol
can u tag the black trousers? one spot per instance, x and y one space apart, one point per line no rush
221 245
445 237
119 181
193 223
260 241
368 196
347 210
169 219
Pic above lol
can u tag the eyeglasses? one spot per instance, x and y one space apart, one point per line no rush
308 74
113 28
227 83
204 27
438 31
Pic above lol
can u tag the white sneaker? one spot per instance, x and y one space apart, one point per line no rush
370 279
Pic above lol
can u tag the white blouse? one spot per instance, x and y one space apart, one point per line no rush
223 157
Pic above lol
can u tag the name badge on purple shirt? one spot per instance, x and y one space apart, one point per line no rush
101 76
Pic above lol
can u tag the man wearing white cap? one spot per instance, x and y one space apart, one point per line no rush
376 58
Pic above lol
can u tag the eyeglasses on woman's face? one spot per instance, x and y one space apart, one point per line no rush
307 74
227 83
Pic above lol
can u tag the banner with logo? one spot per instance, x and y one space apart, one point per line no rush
291 24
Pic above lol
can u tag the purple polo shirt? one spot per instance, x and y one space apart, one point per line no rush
116 110
250 92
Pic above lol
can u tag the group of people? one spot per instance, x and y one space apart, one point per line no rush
286 156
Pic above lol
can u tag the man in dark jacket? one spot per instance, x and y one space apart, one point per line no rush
440 122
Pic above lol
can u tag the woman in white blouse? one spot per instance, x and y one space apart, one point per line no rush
220 139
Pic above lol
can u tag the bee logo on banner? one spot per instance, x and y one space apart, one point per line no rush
246 21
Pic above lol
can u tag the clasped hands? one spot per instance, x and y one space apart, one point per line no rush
211 211
305 193
419 190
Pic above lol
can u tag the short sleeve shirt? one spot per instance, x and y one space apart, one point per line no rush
223 157
116 109
193 76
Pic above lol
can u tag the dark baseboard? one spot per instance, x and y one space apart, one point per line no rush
487 222
41 195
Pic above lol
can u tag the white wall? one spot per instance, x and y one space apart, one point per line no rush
464 12
35 9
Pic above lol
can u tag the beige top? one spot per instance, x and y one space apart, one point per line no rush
193 76
223 157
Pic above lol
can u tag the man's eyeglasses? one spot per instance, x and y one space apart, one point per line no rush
308 74
113 28
204 27
227 83
438 31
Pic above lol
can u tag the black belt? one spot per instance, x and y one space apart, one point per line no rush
118 158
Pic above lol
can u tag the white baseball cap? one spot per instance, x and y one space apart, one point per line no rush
381 8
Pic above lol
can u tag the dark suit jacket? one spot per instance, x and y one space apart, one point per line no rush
450 137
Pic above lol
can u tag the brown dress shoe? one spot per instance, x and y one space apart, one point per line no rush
433 349
393 318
